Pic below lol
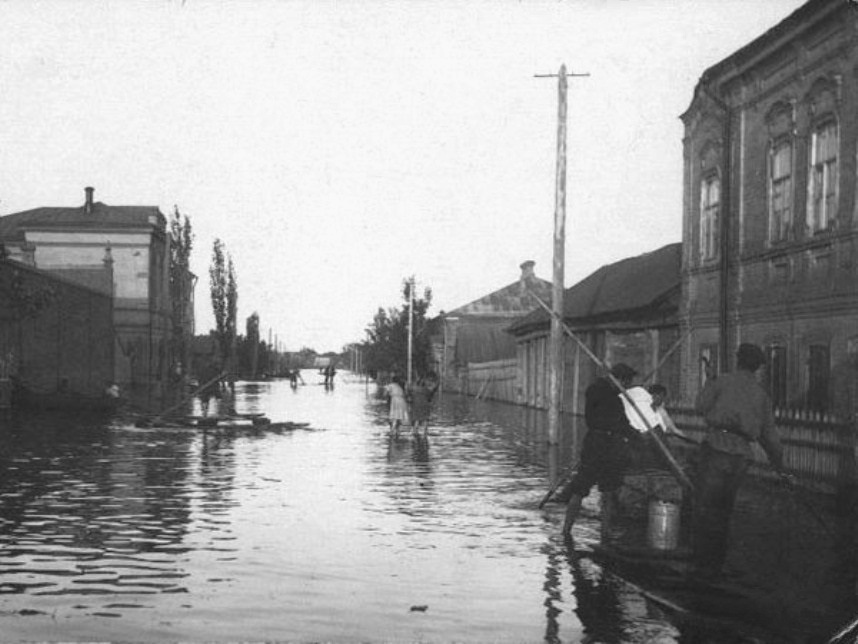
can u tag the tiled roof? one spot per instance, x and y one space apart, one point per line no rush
102 216
629 285
510 301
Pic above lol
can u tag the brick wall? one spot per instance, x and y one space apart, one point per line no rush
60 333
796 290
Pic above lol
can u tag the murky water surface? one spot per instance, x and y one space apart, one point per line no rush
328 533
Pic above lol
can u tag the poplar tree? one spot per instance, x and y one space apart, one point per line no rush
224 294
181 244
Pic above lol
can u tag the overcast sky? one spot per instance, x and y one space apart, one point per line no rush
338 147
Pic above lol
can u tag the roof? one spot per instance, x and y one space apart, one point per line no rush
12 226
483 342
629 287
779 35
510 301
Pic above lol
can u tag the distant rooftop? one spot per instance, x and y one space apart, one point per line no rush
510 301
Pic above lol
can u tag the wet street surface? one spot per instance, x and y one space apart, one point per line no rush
331 532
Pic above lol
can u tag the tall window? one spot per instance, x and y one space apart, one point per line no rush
777 364
710 202
780 190
818 377
822 191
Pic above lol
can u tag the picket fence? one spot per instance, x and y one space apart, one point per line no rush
818 448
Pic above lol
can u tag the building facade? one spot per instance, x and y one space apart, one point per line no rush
472 351
627 311
770 217
69 242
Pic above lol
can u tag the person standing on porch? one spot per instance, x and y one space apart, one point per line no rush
738 412
605 453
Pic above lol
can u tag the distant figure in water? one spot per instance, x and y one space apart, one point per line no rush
211 380
330 372
422 393
398 406
294 375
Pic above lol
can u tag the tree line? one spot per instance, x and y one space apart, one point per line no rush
385 350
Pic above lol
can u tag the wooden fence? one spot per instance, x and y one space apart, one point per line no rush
818 449
496 380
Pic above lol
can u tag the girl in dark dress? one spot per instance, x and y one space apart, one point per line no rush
421 403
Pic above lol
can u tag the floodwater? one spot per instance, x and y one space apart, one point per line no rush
332 532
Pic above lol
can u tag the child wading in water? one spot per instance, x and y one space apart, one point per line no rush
421 401
398 406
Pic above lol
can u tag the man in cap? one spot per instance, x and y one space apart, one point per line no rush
605 453
738 412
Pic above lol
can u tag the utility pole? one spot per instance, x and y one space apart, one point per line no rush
555 367
410 327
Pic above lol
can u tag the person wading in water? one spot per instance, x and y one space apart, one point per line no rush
421 395
738 412
398 412
605 453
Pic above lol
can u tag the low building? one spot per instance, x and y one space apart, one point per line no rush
71 241
627 311
473 353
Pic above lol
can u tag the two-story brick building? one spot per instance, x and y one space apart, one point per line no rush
68 241
770 217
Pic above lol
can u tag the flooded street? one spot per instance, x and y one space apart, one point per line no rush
328 533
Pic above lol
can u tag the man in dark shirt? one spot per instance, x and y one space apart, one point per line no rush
605 453
738 412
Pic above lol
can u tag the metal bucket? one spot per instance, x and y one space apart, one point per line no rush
663 532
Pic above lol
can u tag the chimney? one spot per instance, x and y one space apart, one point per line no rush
87 207
526 274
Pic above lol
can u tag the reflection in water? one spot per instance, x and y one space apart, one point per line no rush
91 510
110 532
598 603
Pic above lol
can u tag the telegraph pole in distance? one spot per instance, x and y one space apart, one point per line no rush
555 367
410 328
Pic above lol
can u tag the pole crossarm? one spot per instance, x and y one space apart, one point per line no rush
675 467
567 75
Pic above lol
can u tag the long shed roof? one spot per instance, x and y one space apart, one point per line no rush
625 287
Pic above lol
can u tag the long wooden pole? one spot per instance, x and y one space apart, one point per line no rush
667 354
555 366
410 327
189 396
671 460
